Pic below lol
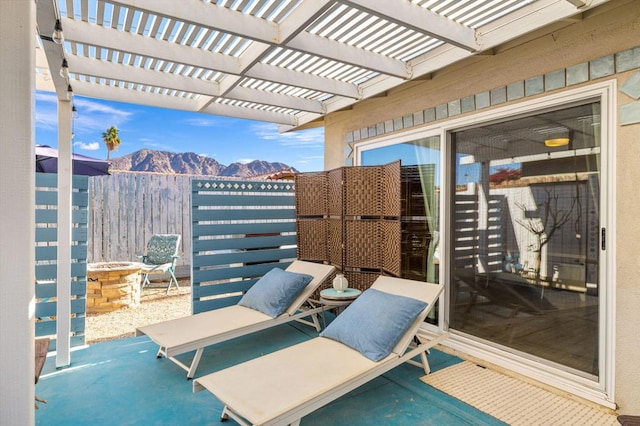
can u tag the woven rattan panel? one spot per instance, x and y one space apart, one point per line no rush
362 244
335 194
360 280
391 188
363 191
312 239
312 201
358 228
336 242
390 242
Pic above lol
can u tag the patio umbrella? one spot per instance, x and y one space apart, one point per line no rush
47 162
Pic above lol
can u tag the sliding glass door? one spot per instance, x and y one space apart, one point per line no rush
420 201
525 227
521 193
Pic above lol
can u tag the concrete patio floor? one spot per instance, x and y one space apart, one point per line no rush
122 382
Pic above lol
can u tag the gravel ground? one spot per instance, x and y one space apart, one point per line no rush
155 306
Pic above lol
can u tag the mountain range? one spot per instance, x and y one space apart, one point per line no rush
147 160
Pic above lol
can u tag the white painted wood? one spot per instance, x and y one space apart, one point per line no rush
132 96
145 46
304 80
421 20
193 104
248 41
526 20
204 14
342 52
263 97
106 69
17 203
46 17
301 17
579 3
249 113
63 279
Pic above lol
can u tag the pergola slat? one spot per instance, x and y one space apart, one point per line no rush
289 62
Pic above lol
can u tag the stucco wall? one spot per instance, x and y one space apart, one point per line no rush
627 337
606 30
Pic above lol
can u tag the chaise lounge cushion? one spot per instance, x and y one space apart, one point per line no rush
274 292
387 318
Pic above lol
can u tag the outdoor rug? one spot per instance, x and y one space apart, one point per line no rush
511 400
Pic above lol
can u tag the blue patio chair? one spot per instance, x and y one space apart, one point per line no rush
161 256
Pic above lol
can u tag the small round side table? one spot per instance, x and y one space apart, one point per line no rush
332 298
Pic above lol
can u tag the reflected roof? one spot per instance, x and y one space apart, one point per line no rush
288 62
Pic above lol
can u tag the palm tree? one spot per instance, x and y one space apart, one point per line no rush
111 139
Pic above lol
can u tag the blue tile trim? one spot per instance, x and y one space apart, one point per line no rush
580 73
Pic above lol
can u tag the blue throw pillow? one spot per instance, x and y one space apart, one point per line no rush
273 293
374 323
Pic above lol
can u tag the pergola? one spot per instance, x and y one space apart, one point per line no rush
288 62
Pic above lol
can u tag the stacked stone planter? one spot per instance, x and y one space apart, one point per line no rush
112 286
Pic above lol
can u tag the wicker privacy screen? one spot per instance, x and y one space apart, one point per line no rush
350 218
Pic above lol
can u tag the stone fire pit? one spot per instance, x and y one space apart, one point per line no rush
112 286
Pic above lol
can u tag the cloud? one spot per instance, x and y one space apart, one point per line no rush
88 146
312 138
159 146
46 97
46 112
92 116
245 160
46 118
310 159
95 116
202 122
152 144
92 107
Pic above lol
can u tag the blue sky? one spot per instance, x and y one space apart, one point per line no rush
228 140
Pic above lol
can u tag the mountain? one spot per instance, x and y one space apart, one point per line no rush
147 160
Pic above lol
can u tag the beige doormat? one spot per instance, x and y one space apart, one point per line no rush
511 400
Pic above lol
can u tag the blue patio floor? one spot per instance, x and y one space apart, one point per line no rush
121 382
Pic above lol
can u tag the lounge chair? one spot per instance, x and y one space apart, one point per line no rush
161 256
198 331
284 386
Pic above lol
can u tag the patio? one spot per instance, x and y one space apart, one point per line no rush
460 73
122 382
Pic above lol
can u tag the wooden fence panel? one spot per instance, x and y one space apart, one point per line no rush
126 209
